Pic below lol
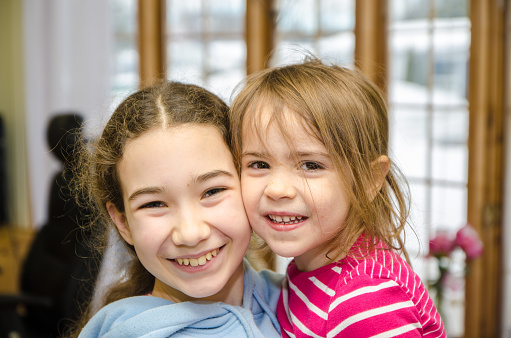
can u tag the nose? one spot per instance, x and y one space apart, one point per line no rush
190 229
281 185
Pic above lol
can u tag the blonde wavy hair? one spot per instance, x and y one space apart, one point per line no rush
347 113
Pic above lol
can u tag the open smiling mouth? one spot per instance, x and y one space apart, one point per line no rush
202 260
286 219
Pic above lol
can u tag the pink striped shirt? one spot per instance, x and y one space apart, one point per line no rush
378 295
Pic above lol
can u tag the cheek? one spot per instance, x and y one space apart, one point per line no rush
330 196
250 193
150 233
231 217
147 241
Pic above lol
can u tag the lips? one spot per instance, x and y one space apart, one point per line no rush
202 260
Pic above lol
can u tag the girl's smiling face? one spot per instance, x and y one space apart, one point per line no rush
292 193
184 214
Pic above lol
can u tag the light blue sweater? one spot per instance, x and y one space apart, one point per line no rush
148 316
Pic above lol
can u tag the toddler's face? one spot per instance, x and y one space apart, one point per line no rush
184 213
293 196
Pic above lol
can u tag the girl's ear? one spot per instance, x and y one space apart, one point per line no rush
120 222
380 168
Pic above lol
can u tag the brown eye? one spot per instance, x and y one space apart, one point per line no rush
311 166
259 165
212 192
155 204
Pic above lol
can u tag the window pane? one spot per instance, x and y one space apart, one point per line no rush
410 65
450 152
227 65
226 54
409 140
337 15
452 9
124 16
321 27
206 43
124 77
226 14
185 59
417 233
401 10
451 47
296 18
449 210
184 17
339 47
429 53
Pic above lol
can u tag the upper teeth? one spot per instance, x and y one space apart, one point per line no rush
285 219
198 261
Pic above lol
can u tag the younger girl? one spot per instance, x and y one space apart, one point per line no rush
162 174
318 185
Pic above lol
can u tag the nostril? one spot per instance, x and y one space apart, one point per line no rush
190 234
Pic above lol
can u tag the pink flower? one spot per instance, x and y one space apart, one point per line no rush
468 239
441 244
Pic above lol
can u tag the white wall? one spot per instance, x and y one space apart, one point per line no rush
67 57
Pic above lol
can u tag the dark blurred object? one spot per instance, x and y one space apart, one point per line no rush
56 272
4 218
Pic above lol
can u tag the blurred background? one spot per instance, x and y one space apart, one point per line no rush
443 66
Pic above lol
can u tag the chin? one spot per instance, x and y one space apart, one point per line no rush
205 291
286 253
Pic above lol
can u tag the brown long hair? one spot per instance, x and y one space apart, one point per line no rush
165 104
347 113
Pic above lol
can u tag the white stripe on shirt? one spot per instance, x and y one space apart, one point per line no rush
367 314
309 305
322 286
398 331
361 291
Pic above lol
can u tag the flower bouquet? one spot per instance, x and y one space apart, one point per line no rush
442 247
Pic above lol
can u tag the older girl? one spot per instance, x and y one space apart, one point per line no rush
162 175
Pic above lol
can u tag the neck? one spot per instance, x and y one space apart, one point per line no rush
322 255
231 293
312 260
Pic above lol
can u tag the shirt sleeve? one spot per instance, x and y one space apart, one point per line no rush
372 307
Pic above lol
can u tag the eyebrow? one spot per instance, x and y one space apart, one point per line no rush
145 191
254 154
298 154
196 180
209 175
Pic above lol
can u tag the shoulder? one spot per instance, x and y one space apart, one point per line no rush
381 265
383 268
157 317
132 305
118 312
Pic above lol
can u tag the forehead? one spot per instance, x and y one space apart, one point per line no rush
166 156
189 134
266 120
